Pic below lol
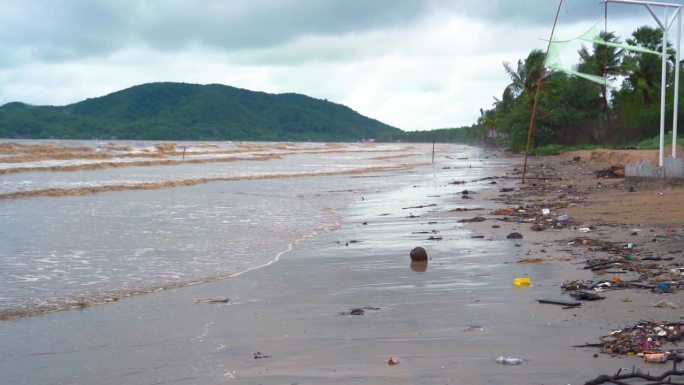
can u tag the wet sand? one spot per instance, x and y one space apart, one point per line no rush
446 324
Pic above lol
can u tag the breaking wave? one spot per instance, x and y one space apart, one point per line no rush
58 192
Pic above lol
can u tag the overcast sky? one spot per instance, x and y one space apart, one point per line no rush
414 64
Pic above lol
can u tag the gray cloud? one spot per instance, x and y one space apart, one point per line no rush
48 30
526 12
64 30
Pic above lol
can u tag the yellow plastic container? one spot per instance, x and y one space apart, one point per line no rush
524 281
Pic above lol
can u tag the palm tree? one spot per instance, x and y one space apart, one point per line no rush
604 61
526 77
529 78
643 69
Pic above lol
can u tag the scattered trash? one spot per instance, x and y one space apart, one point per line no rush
584 230
260 355
213 300
474 219
563 217
509 360
643 337
419 207
666 304
459 209
655 357
474 327
536 213
530 260
625 259
358 310
393 361
663 287
615 171
586 296
514 236
523 281
504 211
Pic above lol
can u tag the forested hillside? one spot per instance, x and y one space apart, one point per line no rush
180 111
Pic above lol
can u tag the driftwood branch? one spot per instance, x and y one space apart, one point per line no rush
661 379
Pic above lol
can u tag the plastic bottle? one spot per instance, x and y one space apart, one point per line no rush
509 360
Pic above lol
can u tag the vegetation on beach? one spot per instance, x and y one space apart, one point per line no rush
575 113
178 111
654 142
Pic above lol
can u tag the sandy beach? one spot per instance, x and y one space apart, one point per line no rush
338 306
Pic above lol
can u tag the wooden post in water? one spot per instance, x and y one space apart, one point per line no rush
433 151
183 152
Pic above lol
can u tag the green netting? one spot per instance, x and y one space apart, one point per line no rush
594 78
553 61
553 55
594 36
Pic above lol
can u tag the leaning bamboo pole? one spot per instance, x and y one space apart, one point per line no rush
533 121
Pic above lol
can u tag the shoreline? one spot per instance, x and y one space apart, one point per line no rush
445 324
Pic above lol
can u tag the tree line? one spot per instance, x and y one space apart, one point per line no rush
573 111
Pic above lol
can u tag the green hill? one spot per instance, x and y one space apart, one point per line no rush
179 111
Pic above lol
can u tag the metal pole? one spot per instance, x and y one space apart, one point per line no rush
662 93
665 26
536 94
676 87
654 3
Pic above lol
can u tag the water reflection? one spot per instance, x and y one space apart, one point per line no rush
419 266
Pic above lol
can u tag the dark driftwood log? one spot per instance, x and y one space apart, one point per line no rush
560 302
